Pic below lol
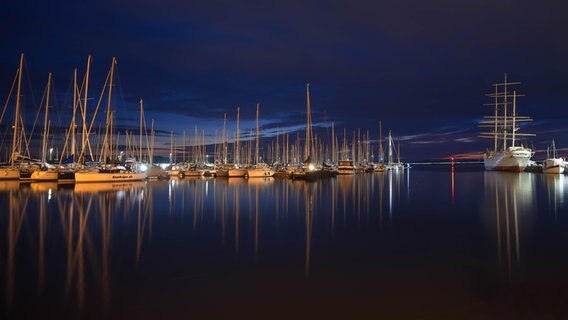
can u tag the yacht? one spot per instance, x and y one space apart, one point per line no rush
553 163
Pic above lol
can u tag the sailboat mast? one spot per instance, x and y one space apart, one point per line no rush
141 116
256 147
333 142
496 117
225 138
171 146
84 136
390 149
237 157
309 122
44 142
17 113
381 151
505 115
152 143
74 117
514 117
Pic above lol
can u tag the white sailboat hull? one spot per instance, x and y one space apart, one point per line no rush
9 174
513 159
90 176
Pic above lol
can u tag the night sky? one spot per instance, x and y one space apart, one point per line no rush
420 67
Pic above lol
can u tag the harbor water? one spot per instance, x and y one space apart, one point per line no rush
430 242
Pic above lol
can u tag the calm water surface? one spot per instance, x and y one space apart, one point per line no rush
432 242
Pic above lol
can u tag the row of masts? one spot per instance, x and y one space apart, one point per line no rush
104 144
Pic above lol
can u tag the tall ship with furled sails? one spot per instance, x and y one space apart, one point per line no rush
507 153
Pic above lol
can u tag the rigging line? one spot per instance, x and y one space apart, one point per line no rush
37 114
29 79
9 96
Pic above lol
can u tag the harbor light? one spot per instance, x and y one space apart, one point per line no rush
143 167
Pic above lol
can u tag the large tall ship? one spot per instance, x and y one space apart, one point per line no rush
507 153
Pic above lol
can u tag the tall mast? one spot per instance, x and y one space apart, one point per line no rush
225 138
309 122
504 114
496 117
15 135
514 117
333 142
171 146
84 136
141 116
107 146
256 147
152 143
390 149
74 117
381 151
44 142
237 156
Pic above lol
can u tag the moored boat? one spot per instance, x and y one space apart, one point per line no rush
108 175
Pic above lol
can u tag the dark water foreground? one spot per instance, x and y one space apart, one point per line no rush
431 243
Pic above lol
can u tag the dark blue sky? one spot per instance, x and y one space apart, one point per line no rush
420 67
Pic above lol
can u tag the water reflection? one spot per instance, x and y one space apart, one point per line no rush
83 217
92 244
509 210
555 191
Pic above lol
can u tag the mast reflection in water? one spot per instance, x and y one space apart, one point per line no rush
433 242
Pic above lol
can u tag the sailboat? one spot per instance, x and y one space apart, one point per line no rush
260 169
237 171
553 163
47 174
309 169
11 172
108 172
391 163
505 156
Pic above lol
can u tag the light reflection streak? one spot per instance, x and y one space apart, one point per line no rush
510 200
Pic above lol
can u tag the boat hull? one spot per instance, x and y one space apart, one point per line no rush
233 173
9 174
553 166
511 160
260 173
44 176
82 177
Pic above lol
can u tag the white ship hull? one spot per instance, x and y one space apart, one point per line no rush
90 176
513 159
556 165
9 174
